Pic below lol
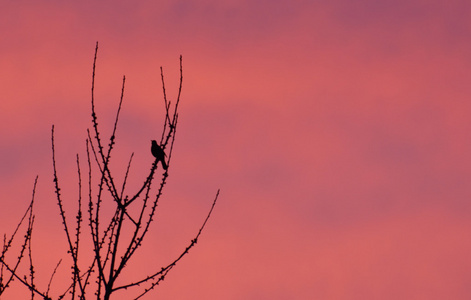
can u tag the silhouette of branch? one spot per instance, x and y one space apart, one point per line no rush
24 281
126 176
105 159
26 244
72 249
7 244
76 270
160 275
52 276
115 236
30 256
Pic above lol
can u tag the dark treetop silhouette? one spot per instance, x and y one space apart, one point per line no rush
115 237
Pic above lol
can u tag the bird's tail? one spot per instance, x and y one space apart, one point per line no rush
164 165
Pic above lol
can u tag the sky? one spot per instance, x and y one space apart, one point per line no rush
337 131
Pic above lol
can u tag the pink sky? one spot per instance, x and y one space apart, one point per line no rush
338 131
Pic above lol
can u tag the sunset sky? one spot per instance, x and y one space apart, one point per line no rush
339 133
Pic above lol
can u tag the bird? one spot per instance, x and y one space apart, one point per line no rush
158 153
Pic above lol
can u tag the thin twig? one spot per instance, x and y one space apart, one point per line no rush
52 276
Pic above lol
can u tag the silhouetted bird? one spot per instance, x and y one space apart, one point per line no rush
158 153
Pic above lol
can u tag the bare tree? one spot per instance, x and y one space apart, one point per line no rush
115 238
